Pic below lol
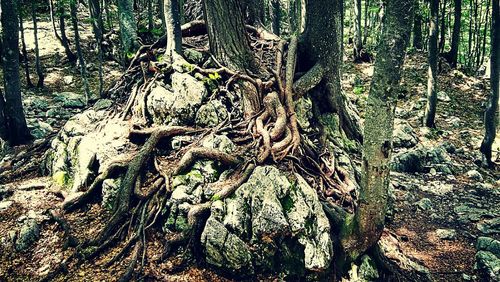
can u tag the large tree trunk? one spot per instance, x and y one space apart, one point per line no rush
364 230
491 113
358 38
455 37
226 32
230 45
322 39
430 110
17 130
128 27
173 26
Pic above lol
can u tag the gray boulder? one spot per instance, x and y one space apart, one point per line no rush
488 258
70 99
87 141
110 189
270 224
404 135
29 232
178 104
211 114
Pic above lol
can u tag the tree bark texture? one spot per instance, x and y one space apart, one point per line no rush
38 66
364 230
128 27
229 42
322 39
491 113
358 38
173 26
430 110
17 130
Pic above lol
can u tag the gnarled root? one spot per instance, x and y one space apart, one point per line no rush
130 178
205 153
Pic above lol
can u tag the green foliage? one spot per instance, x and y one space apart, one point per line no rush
157 32
130 55
188 67
358 89
215 197
214 76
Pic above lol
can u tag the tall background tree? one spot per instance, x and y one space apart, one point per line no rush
16 131
128 27
363 230
491 113
430 110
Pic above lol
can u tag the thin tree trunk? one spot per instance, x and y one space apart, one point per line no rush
151 25
29 84
417 29
173 26
62 27
53 20
128 28
363 231
81 61
442 29
17 130
483 49
38 65
491 113
276 17
430 110
98 27
358 38
109 18
365 28
455 38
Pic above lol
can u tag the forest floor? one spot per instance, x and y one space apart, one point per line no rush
437 215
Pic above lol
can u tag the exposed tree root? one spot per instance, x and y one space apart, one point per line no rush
308 81
205 153
143 198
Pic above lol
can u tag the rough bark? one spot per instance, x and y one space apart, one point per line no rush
430 110
172 26
3 120
128 27
230 45
364 229
455 37
226 32
38 65
17 130
323 41
491 113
